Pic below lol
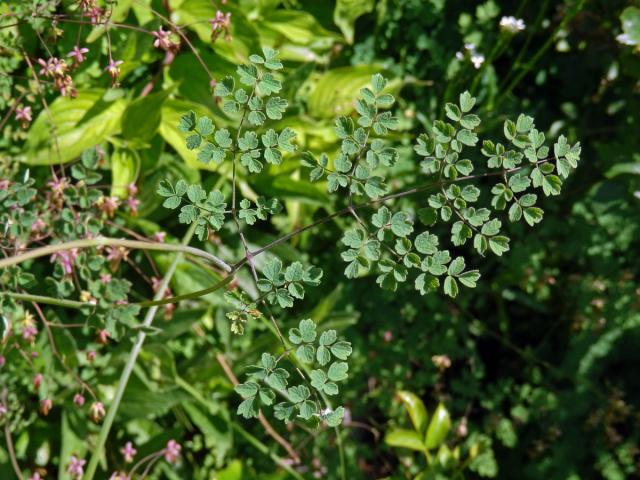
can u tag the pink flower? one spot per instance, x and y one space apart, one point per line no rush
172 451
132 189
2 361
105 278
38 225
29 333
35 476
441 361
57 185
78 53
4 184
128 452
113 69
159 236
97 411
462 427
78 399
220 24
66 259
3 410
76 467
45 406
103 337
23 115
133 204
162 40
108 205
91 355
37 381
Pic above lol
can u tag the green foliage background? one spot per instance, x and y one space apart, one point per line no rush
544 352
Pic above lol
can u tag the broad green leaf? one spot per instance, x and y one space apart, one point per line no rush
438 427
402 438
125 165
79 123
417 410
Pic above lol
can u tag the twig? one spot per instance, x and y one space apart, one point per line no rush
9 442
116 242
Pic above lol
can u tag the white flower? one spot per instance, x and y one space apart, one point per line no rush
512 24
625 39
477 59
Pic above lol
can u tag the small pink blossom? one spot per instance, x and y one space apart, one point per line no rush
66 259
172 451
220 24
38 225
105 278
37 381
462 427
35 476
159 236
108 205
29 333
76 467
2 361
128 452
91 355
57 185
132 189
4 184
78 399
163 39
3 410
113 69
23 115
78 53
441 361
45 406
97 411
388 336
133 204
103 337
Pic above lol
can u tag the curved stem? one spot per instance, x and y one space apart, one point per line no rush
131 361
112 242
9 441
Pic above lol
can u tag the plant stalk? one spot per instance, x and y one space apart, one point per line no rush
131 361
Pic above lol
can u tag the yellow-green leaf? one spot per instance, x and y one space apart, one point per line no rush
417 411
438 427
125 165
404 439
79 123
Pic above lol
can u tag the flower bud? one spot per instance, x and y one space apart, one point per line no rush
45 406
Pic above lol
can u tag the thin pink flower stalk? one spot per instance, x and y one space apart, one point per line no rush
76 467
220 25
78 53
172 451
